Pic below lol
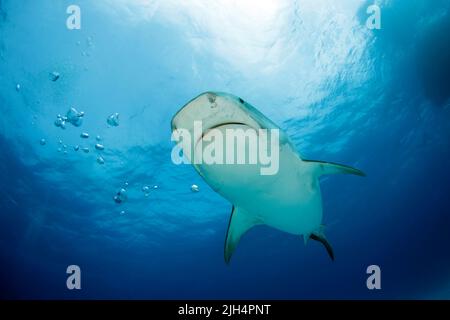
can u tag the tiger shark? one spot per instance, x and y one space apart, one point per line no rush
289 200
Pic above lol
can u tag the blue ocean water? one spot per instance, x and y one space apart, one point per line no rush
374 99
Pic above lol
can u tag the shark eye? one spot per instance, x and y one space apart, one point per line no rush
241 101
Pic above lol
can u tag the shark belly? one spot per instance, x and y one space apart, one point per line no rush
289 200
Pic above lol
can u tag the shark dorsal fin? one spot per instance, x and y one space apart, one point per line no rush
240 223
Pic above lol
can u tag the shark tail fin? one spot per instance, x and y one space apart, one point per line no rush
240 223
323 167
320 237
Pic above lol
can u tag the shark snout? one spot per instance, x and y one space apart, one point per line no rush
197 109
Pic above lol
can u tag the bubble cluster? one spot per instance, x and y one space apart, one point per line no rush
146 190
89 41
60 121
72 116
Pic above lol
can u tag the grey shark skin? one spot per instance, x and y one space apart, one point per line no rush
289 200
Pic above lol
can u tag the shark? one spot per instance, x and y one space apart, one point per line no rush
289 200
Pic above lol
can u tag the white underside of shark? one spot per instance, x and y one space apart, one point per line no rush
289 200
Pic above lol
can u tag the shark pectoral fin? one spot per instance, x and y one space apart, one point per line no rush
240 223
321 238
322 167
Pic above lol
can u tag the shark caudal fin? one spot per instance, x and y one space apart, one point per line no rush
240 223
322 167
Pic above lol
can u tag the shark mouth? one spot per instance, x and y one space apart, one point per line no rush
223 124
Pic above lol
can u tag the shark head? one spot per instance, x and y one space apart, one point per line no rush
213 110
246 135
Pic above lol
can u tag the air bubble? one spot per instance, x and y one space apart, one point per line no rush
113 120
74 117
54 76
121 196
100 160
